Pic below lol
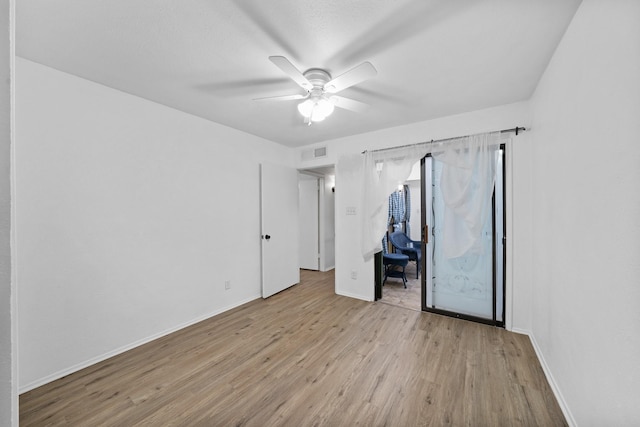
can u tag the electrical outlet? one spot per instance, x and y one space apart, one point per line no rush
354 274
227 285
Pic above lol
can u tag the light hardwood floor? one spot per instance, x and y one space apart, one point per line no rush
308 357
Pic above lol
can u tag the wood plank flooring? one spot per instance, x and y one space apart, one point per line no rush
308 357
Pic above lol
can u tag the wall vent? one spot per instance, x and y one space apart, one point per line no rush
314 153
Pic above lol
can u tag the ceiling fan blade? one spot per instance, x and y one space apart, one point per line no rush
288 68
354 76
349 104
281 98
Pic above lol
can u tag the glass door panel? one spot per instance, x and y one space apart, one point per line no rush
463 286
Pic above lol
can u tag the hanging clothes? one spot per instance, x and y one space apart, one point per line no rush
397 207
399 213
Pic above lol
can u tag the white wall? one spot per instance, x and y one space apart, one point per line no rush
8 384
519 216
586 210
128 217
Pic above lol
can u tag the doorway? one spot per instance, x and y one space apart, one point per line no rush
400 285
470 286
309 221
317 218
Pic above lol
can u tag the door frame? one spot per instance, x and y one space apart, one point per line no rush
428 256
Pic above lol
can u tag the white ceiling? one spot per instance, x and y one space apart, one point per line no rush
210 57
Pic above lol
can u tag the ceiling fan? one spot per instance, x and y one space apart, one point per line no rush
319 99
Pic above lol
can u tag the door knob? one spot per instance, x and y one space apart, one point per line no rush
267 237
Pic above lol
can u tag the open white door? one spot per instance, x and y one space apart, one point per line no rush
279 216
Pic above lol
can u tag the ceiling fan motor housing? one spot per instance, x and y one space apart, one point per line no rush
318 78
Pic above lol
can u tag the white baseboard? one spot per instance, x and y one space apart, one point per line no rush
356 296
520 331
57 375
552 382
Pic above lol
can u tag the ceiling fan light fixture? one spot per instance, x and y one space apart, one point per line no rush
325 107
316 109
306 108
317 116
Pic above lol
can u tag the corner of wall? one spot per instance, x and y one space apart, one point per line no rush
550 378
8 288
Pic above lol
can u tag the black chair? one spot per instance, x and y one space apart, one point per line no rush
404 245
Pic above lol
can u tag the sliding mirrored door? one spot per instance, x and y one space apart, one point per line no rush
470 285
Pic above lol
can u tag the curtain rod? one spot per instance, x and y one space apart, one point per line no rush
515 129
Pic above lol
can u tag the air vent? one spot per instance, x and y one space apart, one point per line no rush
314 153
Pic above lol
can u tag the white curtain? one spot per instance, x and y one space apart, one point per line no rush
467 180
466 159
383 172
